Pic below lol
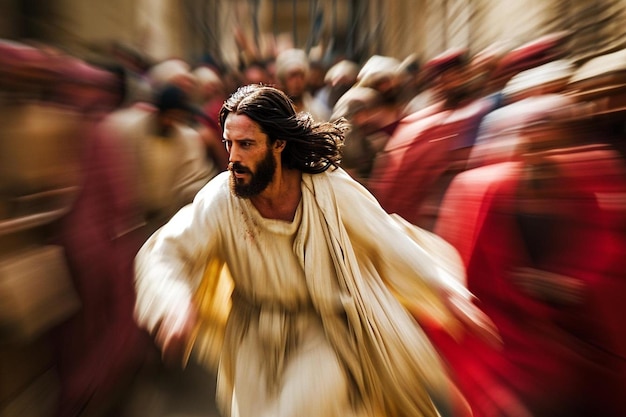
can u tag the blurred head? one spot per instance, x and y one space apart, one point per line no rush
483 64
363 107
340 78
209 83
256 73
550 78
174 107
315 79
382 73
292 72
172 72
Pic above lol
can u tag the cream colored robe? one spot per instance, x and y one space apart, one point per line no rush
316 325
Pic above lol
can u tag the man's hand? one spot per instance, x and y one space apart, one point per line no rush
174 335
472 319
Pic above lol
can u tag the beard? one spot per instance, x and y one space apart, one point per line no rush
259 180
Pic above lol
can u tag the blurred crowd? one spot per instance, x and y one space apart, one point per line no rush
514 154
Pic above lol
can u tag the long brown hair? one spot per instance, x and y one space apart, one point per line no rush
310 147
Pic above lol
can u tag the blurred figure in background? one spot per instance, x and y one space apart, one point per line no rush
358 105
338 79
42 144
541 243
373 108
211 93
499 139
101 349
292 77
167 152
414 169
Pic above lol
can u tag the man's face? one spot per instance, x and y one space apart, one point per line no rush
252 162
295 83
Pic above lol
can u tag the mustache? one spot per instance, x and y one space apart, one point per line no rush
236 166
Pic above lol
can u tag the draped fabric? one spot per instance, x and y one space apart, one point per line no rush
352 275
393 364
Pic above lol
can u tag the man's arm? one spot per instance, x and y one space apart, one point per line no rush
168 269
424 272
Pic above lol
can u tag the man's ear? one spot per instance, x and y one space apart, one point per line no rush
279 144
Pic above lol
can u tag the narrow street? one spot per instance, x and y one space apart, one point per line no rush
164 392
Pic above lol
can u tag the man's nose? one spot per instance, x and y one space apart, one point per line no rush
233 154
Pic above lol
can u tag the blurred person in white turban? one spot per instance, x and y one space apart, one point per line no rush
338 79
373 107
326 292
292 76
172 71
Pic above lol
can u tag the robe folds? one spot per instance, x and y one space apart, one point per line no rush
312 313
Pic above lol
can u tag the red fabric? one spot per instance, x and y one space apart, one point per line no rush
212 110
532 54
555 360
101 347
419 153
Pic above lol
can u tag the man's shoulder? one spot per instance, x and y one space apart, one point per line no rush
216 191
343 185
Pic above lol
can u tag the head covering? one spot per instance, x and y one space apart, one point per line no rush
164 72
378 69
343 72
207 77
290 60
531 54
354 100
451 58
611 63
602 81
559 70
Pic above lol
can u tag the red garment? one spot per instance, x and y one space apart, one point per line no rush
212 136
421 158
556 360
100 348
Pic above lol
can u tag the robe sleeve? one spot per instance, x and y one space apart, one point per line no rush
170 265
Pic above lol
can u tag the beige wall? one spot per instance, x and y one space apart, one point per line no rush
80 24
420 26
403 27
398 28
519 21
152 26
160 29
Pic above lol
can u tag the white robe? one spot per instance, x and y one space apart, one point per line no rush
316 325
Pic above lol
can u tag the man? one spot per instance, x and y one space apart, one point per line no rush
292 76
211 93
166 153
314 327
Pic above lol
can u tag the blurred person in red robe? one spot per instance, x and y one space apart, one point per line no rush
211 93
100 349
545 259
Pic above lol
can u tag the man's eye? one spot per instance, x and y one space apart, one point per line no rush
246 144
